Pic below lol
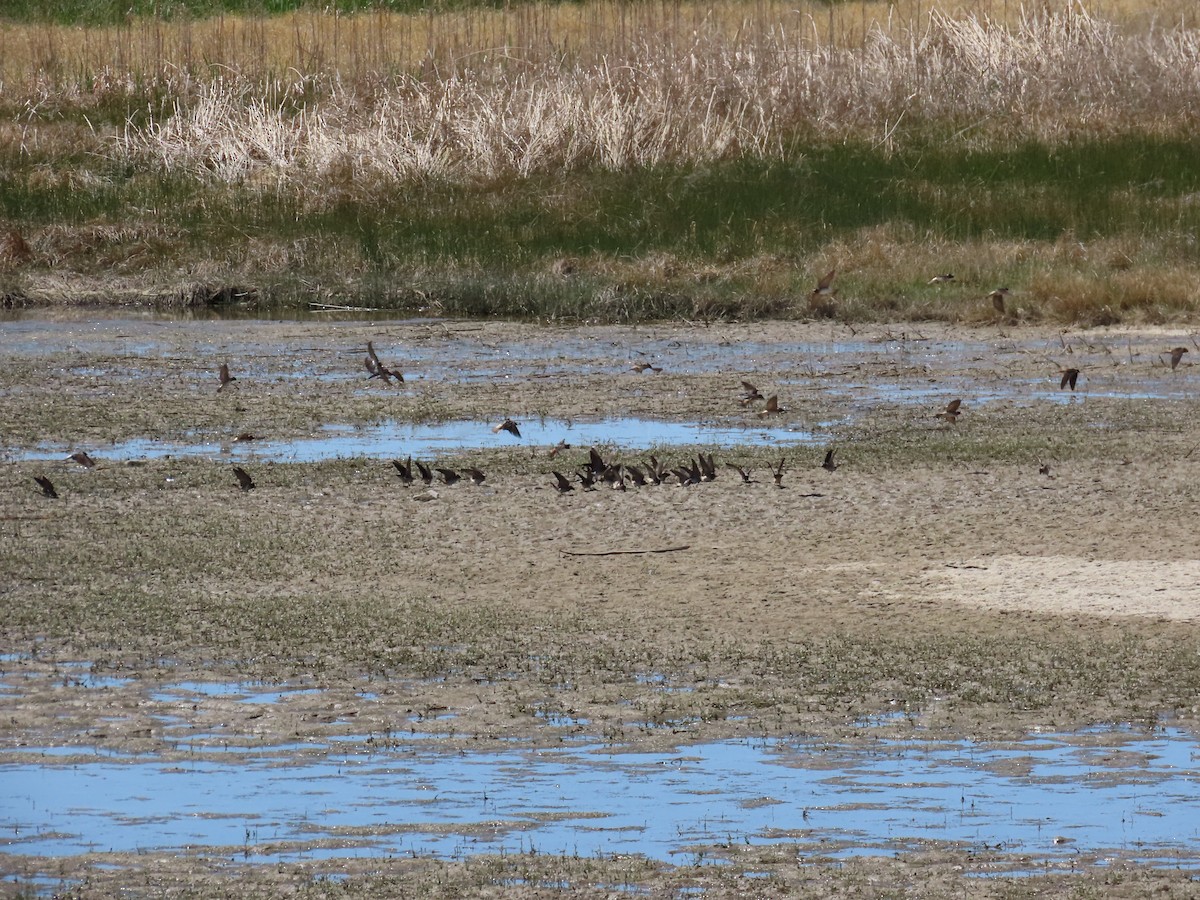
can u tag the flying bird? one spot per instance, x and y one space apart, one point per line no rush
941 279
997 297
777 473
47 486
225 377
507 425
562 483
245 482
950 413
404 470
1177 356
743 472
81 457
377 369
749 394
1069 377
641 367
558 448
772 406
830 463
824 287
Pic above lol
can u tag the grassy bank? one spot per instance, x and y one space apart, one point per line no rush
673 165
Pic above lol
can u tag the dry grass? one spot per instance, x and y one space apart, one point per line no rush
665 90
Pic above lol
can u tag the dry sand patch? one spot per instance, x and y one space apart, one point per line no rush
1071 585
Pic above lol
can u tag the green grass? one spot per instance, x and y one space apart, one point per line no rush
731 239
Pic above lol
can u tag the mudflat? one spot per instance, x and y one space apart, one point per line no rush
1030 564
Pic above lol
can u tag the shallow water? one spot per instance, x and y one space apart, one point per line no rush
1098 794
394 440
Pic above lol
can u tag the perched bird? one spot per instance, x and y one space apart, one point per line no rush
641 367
81 457
1177 356
772 407
245 482
997 297
562 483
743 472
245 436
377 369
225 377
596 464
474 474
1069 377
588 479
749 394
425 473
688 473
449 476
507 425
777 473
1044 469
636 475
941 279
558 448
708 467
656 471
47 486
830 463
404 470
950 413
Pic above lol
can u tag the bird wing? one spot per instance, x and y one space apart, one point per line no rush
953 405
824 283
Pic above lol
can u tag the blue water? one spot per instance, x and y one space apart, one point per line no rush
831 799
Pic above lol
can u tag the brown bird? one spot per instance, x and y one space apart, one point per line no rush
746 479
830 463
997 297
941 279
425 473
641 367
656 471
824 287
777 473
449 476
81 457
950 413
772 407
749 394
1177 356
562 483
708 467
636 475
507 425
225 377
377 369
558 448
404 470
47 486
474 474
245 482
1069 377
245 436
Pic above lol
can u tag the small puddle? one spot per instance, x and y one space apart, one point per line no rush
1098 795
399 440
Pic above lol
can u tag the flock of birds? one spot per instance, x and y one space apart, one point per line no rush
598 471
